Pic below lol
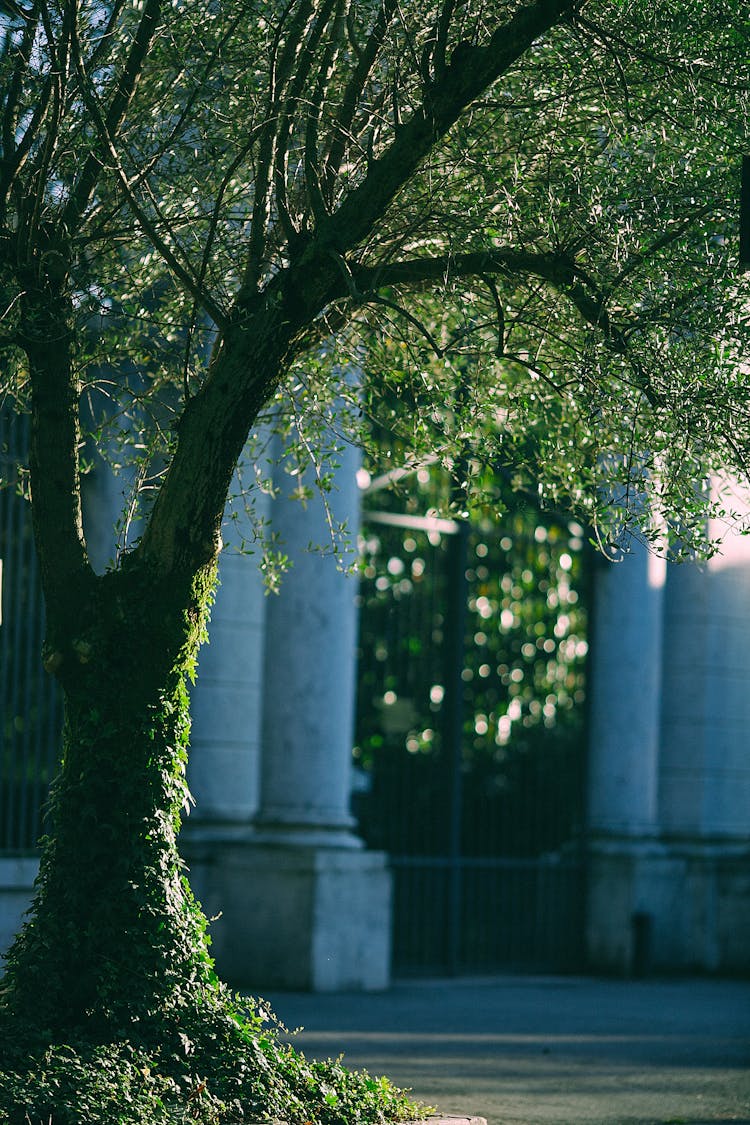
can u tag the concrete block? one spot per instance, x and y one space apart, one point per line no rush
693 896
17 875
295 917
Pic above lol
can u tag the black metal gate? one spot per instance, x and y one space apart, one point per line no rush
30 710
470 741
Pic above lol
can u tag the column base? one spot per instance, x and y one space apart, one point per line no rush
661 906
17 875
295 916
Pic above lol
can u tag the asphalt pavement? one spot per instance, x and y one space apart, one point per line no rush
521 1050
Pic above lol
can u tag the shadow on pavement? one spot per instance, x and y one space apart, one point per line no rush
546 1050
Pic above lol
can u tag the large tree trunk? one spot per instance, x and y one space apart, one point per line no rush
115 935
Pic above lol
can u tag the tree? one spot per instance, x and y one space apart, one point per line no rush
204 210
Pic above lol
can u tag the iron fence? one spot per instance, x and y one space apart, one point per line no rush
472 787
30 710
509 914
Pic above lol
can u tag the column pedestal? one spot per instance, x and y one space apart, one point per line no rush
298 917
668 907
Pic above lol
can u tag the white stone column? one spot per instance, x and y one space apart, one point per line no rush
625 686
625 858
309 674
668 861
223 761
103 505
226 700
704 778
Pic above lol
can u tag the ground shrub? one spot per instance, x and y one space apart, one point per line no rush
216 1068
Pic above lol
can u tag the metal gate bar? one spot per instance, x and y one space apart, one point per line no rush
30 709
513 913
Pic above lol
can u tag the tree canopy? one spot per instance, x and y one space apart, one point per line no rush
550 189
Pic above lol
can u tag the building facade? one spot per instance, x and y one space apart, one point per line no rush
669 765
297 901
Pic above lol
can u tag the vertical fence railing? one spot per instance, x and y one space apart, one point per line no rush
455 638
30 710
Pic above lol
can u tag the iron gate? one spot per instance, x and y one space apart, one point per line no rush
470 747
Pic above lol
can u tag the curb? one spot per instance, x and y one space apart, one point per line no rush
451 1121
424 1121
447 1121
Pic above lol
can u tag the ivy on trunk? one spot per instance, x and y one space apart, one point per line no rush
116 935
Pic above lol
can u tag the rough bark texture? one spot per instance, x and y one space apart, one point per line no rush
115 935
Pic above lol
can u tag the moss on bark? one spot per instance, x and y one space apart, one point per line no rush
115 934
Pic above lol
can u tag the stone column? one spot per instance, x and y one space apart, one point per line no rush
705 765
625 685
704 779
304 904
309 677
223 762
226 701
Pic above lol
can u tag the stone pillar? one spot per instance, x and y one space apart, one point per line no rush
226 704
303 904
103 497
309 678
625 685
704 780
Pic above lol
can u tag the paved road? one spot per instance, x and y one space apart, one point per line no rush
546 1050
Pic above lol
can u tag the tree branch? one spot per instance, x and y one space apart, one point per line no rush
462 82
10 105
607 38
281 69
183 529
555 268
80 197
181 271
559 271
664 240
46 337
304 63
441 36
312 160
353 91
